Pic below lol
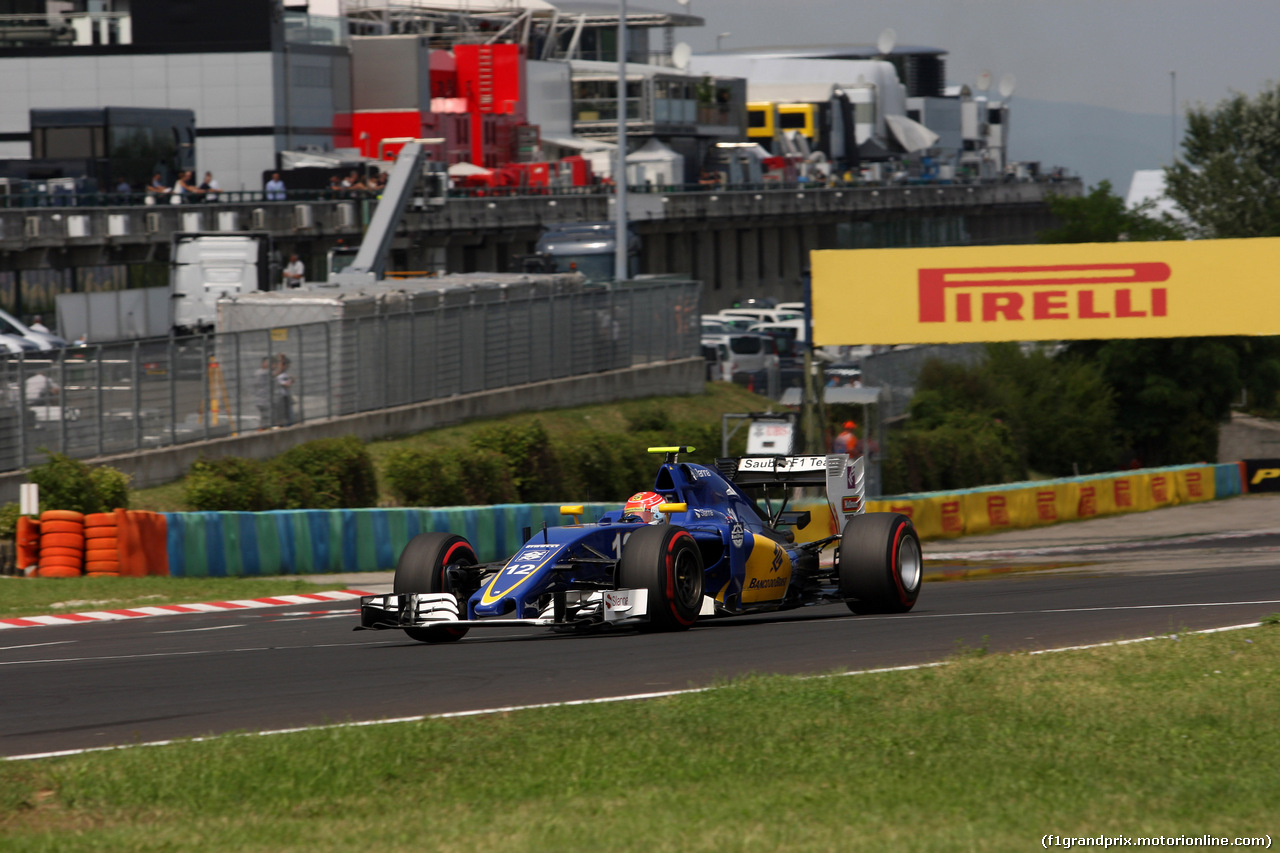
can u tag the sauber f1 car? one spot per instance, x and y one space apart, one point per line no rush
696 546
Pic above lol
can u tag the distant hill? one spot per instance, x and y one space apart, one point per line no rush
1096 143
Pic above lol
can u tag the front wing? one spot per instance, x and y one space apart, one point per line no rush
421 609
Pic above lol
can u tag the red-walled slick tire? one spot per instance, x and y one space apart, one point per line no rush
881 566
666 561
422 568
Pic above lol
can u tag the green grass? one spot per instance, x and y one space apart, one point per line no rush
988 753
38 596
720 397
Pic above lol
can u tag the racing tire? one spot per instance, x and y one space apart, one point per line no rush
881 565
666 561
421 568
100 554
100 519
100 532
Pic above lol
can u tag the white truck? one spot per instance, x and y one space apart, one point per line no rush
207 267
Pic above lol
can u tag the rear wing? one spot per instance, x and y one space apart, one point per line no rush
843 478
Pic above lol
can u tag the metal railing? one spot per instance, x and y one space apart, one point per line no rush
144 394
32 199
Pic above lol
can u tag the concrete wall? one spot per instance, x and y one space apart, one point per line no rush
155 467
1247 437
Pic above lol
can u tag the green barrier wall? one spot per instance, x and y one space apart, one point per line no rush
294 542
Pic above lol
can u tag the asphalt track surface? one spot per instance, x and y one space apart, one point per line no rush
100 684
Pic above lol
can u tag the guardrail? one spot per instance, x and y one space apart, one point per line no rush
145 394
148 199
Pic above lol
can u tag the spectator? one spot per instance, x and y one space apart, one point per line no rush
209 187
275 188
123 187
295 272
41 390
335 186
37 324
262 393
157 184
184 187
284 391
847 441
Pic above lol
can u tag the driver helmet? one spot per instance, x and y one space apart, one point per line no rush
644 506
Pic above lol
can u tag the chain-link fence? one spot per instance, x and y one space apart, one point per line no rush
136 395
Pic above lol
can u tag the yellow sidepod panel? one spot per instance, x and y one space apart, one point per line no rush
768 572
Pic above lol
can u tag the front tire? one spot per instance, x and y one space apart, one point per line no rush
881 566
664 560
422 568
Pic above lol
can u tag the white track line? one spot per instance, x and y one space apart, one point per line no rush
1047 550
633 697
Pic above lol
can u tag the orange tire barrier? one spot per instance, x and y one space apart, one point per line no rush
69 562
99 554
104 574
57 572
100 519
62 540
57 551
55 526
103 566
100 532
62 515
142 542
28 542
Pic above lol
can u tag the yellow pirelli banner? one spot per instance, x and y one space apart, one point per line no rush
969 294
1018 505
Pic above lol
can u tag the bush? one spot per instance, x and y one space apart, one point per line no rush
418 478
70 484
340 472
329 473
964 451
229 484
483 477
9 521
535 467
111 486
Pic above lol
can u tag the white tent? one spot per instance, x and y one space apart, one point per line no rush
655 163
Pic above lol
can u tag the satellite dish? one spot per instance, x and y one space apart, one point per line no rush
1007 84
886 41
984 81
680 55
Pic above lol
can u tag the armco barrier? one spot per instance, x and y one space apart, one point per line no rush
1016 505
299 542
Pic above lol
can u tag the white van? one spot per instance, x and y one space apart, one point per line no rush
764 315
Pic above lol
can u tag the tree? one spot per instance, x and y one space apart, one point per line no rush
1101 217
1228 180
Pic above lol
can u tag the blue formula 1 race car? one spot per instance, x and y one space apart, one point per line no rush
696 546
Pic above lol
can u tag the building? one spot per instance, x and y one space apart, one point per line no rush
260 79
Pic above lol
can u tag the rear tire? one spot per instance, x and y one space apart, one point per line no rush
422 569
664 560
881 566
